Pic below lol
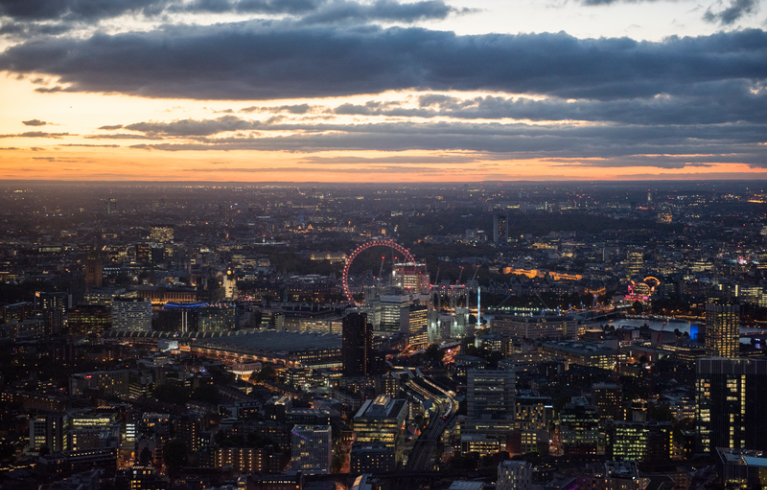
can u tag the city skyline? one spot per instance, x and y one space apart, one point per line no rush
344 91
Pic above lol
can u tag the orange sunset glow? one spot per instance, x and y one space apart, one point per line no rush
295 96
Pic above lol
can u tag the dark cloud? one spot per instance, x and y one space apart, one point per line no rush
360 170
291 109
77 10
380 10
329 11
400 159
733 13
713 103
254 60
36 134
736 143
121 136
68 12
111 127
192 127
32 29
34 122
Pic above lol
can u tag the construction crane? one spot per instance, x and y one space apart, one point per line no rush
474 277
460 274
380 271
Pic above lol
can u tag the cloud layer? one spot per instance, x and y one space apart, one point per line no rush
255 61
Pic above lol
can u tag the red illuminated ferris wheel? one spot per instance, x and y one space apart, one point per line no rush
373 243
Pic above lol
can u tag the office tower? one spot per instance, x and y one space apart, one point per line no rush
48 431
535 327
108 383
89 319
608 398
649 442
311 449
411 276
417 332
357 345
181 316
132 314
490 394
111 206
217 318
53 307
501 228
731 404
514 475
94 274
722 335
247 459
371 458
382 420
394 312
634 261
579 427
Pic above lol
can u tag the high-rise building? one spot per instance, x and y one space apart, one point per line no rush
48 431
311 449
579 427
640 441
490 394
514 475
89 319
94 269
608 398
417 331
412 276
382 420
132 314
393 312
501 228
111 206
53 307
634 261
722 335
357 345
731 404
372 458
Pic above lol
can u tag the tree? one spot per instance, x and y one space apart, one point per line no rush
175 455
267 373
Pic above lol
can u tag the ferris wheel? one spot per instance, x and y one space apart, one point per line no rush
373 243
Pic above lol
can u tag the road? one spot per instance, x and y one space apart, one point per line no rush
424 450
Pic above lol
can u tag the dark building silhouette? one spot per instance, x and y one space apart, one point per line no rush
357 346
94 274
501 228
53 307
731 404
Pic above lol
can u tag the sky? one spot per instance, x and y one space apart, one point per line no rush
383 90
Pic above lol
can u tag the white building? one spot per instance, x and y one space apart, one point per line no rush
133 314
